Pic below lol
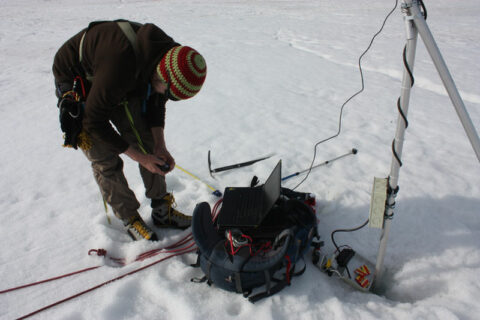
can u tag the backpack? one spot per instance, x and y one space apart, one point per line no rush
265 256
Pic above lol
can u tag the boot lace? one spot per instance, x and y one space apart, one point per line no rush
141 229
172 204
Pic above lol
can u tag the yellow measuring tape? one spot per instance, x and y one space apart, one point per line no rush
215 191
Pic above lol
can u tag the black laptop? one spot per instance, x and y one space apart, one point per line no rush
246 207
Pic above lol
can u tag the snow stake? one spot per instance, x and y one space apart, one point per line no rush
233 166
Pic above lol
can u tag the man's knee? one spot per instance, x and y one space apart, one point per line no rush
108 166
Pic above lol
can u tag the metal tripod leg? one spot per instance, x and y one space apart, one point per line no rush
446 77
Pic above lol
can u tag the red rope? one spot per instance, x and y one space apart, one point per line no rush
102 252
148 254
105 283
182 241
174 249
81 84
48 280
215 208
231 242
264 247
170 251
99 252
289 265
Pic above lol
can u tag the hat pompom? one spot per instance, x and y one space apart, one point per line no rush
185 71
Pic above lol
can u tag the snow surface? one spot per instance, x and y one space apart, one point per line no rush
278 72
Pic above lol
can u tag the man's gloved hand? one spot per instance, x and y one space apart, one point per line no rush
71 115
163 154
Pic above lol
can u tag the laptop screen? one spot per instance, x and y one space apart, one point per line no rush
247 207
272 187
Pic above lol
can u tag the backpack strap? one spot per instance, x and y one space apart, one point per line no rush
80 47
238 282
279 286
131 35
88 76
275 289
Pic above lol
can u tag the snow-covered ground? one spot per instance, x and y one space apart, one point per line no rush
278 72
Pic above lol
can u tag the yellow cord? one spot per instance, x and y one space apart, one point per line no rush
140 144
195 177
132 124
106 211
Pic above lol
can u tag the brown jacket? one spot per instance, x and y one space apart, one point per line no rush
109 56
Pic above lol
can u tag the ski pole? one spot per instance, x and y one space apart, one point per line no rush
215 192
353 151
233 166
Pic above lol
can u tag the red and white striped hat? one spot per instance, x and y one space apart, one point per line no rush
184 70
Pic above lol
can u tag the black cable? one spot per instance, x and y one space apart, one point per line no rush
412 81
348 272
399 103
424 9
348 247
404 117
346 230
395 154
407 67
349 99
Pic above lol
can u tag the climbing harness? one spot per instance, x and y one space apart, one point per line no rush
71 109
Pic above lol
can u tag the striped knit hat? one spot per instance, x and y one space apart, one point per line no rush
184 70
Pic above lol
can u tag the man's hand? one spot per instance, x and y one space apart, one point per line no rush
160 150
148 161
163 154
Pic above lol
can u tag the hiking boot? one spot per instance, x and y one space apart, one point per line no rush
164 214
138 230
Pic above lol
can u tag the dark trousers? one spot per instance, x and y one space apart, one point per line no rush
108 166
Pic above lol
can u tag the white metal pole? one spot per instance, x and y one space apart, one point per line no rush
411 34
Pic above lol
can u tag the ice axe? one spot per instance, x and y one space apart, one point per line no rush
233 166
353 151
